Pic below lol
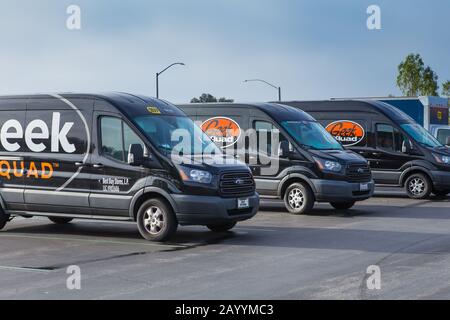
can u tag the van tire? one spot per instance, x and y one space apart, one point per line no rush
60 220
299 198
4 218
156 220
342 205
418 186
222 227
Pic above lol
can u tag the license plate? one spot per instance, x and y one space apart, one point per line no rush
364 187
243 203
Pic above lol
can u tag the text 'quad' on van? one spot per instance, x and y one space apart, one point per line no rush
115 157
291 155
400 151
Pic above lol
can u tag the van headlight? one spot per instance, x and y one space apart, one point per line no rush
328 165
441 158
195 175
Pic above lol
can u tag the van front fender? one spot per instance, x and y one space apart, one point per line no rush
415 166
151 190
295 176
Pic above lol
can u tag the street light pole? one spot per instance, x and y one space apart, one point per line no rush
161 72
273 86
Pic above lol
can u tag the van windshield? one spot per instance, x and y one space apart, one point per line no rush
311 134
176 134
421 135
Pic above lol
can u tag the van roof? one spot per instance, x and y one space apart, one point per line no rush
129 104
278 112
352 106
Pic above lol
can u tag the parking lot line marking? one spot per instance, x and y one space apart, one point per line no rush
91 241
9 268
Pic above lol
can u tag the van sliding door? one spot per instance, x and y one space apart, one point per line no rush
57 155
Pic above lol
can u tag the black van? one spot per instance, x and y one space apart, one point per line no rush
400 151
109 157
290 154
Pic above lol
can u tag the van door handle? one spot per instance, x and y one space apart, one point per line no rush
98 166
80 164
377 154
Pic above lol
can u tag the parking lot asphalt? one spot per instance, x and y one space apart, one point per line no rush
323 255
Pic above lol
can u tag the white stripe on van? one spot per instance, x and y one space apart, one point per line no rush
70 104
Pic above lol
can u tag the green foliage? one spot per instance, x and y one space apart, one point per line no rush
429 85
209 98
446 88
410 75
414 79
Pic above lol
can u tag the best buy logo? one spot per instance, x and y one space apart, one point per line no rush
37 130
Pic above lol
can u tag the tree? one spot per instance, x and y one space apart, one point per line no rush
410 75
209 98
446 88
414 79
429 85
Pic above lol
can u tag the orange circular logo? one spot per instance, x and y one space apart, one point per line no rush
349 133
223 131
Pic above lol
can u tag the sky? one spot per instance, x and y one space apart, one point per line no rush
313 49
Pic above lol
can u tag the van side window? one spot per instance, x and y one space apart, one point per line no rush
400 141
264 127
385 137
389 138
116 138
131 138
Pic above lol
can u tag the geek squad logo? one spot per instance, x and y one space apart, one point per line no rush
33 136
348 133
223 131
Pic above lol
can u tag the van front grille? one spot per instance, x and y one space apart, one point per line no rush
236 184
358 173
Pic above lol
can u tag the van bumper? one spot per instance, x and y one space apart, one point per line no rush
201 210
441 179
341 191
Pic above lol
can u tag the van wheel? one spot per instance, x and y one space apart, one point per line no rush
4 218
343 205
59 220
299 198
222 227
418 186
156 220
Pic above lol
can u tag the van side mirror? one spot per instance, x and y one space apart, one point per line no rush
135 155
284 149
407 147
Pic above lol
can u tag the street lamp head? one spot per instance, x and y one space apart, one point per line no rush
269 84
161 72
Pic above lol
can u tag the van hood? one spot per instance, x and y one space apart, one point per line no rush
345 156
445 151
211 163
